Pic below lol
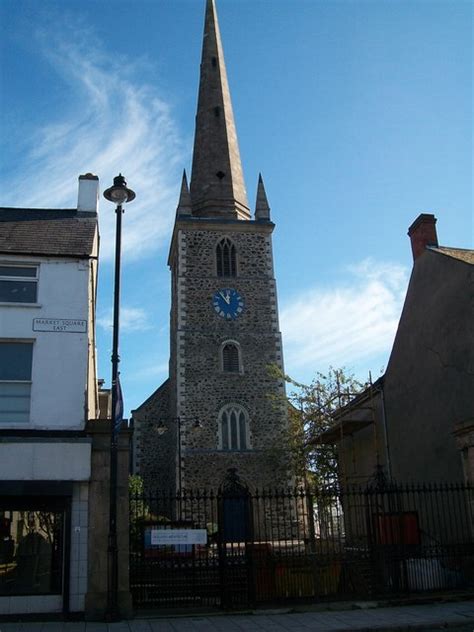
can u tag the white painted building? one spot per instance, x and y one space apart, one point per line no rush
48 392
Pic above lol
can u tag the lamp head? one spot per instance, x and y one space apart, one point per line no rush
119 193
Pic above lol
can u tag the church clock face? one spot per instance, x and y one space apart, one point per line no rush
228 303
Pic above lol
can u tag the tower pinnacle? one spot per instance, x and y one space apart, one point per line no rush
184 204
217 183
262 208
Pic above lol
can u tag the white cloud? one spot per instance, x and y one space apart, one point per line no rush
131 319
149 371
346 324
111 122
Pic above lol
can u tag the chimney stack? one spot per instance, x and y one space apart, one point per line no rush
88 196
422 233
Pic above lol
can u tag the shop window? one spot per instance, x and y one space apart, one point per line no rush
31 548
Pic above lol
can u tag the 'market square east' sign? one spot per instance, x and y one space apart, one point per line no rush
61 325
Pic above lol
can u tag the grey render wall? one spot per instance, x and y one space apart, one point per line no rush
429 382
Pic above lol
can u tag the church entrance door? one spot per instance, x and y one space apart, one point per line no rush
235 538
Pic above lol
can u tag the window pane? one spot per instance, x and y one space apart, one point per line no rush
18 291
234 359
233 431
16 271
15 360
225 358
233 267
14 396
225 431
226 260
242 432
14 402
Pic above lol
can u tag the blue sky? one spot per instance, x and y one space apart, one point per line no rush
357 113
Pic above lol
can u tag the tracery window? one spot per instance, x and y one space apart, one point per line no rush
226 259
233 428
230 358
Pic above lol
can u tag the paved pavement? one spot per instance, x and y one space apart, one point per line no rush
434 616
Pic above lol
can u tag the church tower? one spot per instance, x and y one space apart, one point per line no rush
220 408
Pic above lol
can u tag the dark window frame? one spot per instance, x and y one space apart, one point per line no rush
19 283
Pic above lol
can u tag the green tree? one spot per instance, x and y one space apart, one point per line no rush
136 491
311 412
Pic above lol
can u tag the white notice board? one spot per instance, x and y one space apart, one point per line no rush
178 536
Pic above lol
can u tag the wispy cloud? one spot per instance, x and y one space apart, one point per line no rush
131 319
150 371
110 122
345 324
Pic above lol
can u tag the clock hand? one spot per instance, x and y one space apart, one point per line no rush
226 299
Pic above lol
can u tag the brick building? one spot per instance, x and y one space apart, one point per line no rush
220 407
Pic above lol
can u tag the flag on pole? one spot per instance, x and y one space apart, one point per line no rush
118 412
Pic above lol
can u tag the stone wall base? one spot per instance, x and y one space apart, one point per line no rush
96 605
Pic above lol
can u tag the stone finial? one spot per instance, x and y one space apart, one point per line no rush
184 203
262 208
422 233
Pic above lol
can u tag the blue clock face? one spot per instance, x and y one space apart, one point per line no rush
228 303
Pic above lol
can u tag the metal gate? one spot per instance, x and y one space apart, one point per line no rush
192 549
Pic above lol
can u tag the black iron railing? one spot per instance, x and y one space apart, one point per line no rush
235 548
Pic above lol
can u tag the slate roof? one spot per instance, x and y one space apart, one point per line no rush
457 253
53 232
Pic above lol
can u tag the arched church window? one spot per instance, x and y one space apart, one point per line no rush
233 428
226 258
230 357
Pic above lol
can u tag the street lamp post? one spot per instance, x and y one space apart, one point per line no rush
119 194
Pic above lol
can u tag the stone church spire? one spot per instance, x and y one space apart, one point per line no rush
217 183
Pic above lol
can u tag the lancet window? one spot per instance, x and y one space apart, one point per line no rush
226 258
233 428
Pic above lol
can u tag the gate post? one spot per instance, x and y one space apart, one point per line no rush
99 488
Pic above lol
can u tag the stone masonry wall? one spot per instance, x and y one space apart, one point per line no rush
154 440
202 388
